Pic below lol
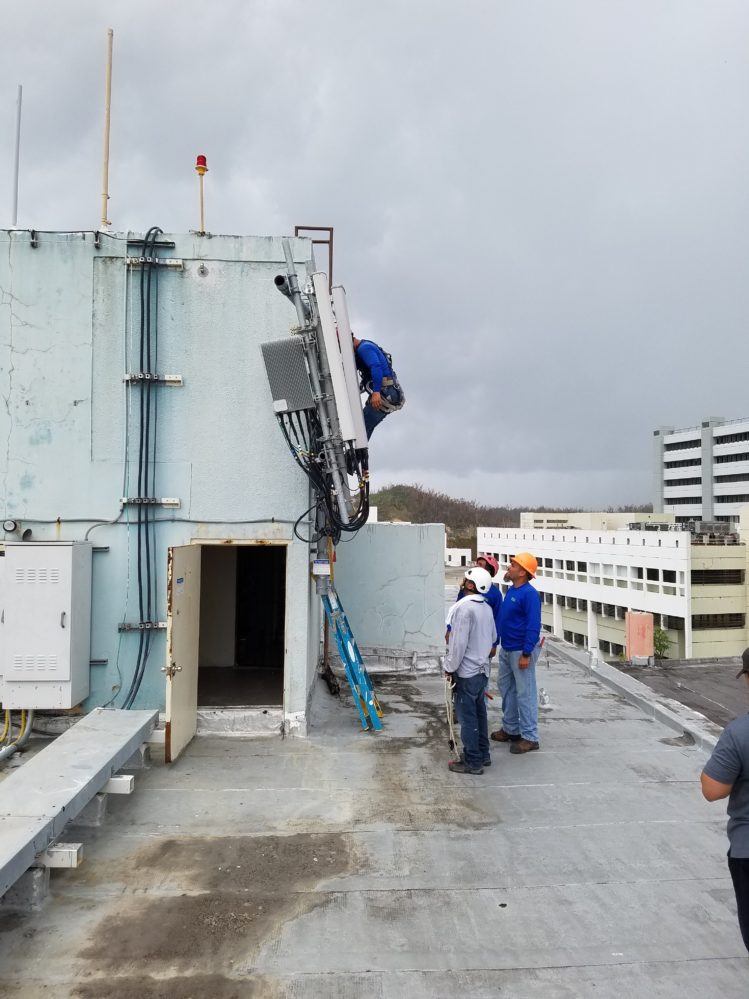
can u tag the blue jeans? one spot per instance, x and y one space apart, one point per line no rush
519 696
374 417
470 703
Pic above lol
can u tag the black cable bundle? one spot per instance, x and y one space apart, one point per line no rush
147 597
303 439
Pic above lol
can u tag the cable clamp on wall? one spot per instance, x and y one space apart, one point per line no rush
142 626
139 377
172 501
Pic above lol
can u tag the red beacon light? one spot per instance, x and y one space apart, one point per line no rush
201 165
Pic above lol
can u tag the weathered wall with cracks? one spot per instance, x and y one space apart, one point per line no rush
391 581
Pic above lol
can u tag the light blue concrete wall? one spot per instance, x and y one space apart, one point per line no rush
391 581
69 313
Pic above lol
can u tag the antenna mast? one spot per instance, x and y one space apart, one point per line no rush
105 223
14 214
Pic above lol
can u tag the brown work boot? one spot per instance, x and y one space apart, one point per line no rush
523 746
501 736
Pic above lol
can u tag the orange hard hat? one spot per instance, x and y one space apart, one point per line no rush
526 561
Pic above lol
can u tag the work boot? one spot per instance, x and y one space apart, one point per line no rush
523 746
501 736
459 767
486 762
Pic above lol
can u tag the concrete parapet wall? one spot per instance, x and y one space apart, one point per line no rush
391 581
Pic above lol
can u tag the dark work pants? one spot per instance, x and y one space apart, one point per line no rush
474 726
374 417
739 868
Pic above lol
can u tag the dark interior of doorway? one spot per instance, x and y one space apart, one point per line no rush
242 653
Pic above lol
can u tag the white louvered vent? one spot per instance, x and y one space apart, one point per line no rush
30 575
46 664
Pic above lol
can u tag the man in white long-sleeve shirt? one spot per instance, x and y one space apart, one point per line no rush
472 637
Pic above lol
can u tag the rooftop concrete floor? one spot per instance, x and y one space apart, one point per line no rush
356 865
708 687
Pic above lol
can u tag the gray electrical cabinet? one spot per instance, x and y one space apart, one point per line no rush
45 624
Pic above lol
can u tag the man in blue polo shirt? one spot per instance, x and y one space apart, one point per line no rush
726 775
379 381
520 629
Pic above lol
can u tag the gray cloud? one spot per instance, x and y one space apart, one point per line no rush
540 208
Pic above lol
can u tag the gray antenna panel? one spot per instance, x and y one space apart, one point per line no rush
286 367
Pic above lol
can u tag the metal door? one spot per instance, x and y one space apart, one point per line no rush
182 642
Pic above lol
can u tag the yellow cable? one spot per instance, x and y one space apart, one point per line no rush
6 726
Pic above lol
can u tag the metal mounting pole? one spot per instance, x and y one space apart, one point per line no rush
105 223
16 161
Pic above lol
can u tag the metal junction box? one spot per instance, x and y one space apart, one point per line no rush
45 624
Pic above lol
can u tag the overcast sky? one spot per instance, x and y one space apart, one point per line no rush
541 207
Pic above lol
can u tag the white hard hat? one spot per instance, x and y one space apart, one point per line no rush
481 579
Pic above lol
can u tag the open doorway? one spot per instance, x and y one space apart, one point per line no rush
242 626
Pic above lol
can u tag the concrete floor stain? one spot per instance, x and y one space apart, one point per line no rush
176 987
238 893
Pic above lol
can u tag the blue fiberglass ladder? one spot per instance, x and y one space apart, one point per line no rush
359 680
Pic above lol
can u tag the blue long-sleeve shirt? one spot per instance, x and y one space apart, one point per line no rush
520 619
493 598
372 363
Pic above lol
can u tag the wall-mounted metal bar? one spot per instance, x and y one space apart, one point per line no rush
146 376
159 242
142 626
174 262
149 501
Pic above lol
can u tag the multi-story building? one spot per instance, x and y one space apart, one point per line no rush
693 584
702 473
589 520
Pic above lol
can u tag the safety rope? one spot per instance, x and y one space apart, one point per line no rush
450 709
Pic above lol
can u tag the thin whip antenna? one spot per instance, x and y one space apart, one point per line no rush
17 157
105 223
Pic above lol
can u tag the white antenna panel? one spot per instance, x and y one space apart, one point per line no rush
349 364
335 360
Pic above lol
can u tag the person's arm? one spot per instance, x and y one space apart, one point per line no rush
458 641
497 613
714 790
532 608
723 768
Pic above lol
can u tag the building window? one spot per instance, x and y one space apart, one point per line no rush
682 501
738 498
672 623
669 575
702 621
681 445
652 575
716 577
582 605
596 607
570 566
684 463
732 438
721 459
682 482
739 477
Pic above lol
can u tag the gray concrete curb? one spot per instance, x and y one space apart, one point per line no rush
663 709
